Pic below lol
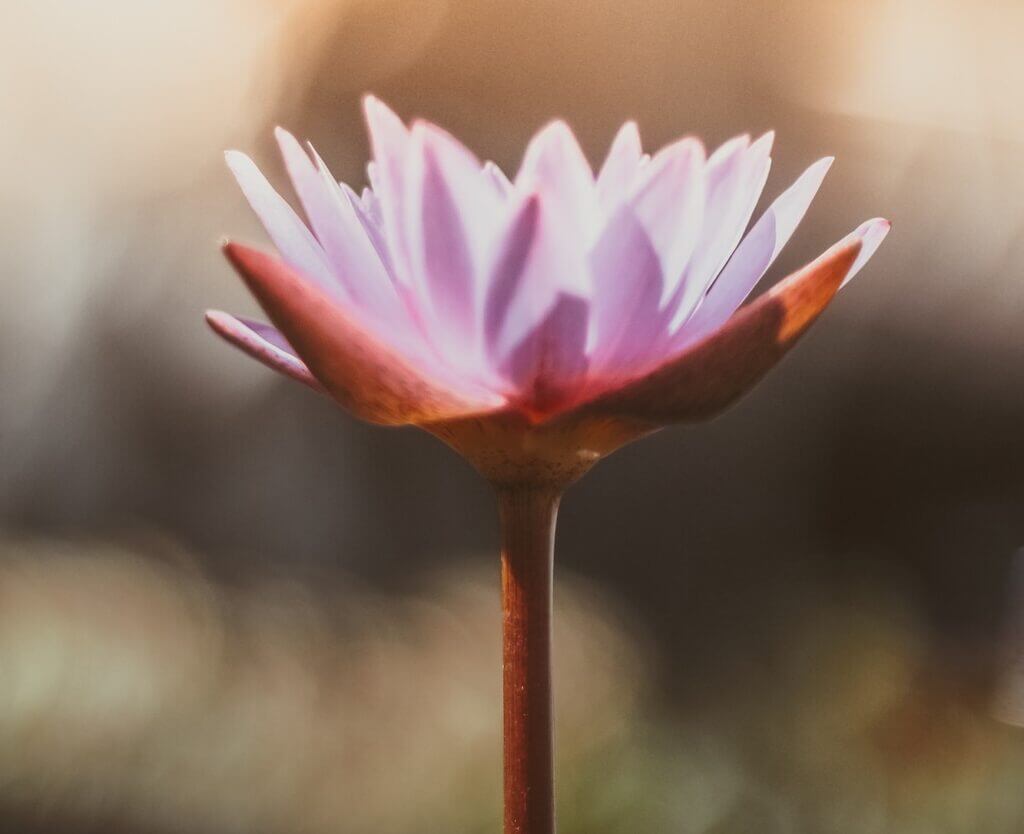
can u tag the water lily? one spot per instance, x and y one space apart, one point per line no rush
534 323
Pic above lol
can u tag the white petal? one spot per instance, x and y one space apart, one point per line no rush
351 253
555 165
620 166
498 178
389 140
535 262
290 235
871 233
735 176
548 365
669 201
449 207
627 295
755 254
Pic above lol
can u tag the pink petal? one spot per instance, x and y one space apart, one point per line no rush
389 140
548 365
621 165
707 377
555 165
367 209
290 235
537 259
263 343
627 294
736 175
754 255
451 211
352 255
498 178
506 274
364 374
669 201
870 233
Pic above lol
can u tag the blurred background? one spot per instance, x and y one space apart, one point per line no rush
227 607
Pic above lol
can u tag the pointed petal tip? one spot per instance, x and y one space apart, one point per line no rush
218 321
869 235
765 142
214 315
556 132
374 108
710 374
237 159
631 129
255 340
247 260
807 292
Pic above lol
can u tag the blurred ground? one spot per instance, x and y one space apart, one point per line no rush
822 576
136 695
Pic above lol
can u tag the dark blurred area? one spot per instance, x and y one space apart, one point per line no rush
218 593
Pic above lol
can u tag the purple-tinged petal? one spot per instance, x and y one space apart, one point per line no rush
537 259
369 377
620 166
548 366
451 218
389 140
870 233
263 343
669 200
290 235
707 377
555 165
754 255
498 178
367 211
735 176
628 282
512 258
351 253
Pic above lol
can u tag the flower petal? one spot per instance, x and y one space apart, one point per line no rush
367 210
627 294
352 255
498 178
512 259
735 176
549 364
620 166
293 239
754 255
707 377
669 200
368 377
870 233
389 140
555 166
263 343
451 212
537 260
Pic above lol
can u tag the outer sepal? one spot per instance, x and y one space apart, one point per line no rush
355 367
709 376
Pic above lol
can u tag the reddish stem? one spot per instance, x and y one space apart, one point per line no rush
527 552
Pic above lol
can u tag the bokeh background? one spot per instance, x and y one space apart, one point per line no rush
227 607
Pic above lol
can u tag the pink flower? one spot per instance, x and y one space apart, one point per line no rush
534 323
